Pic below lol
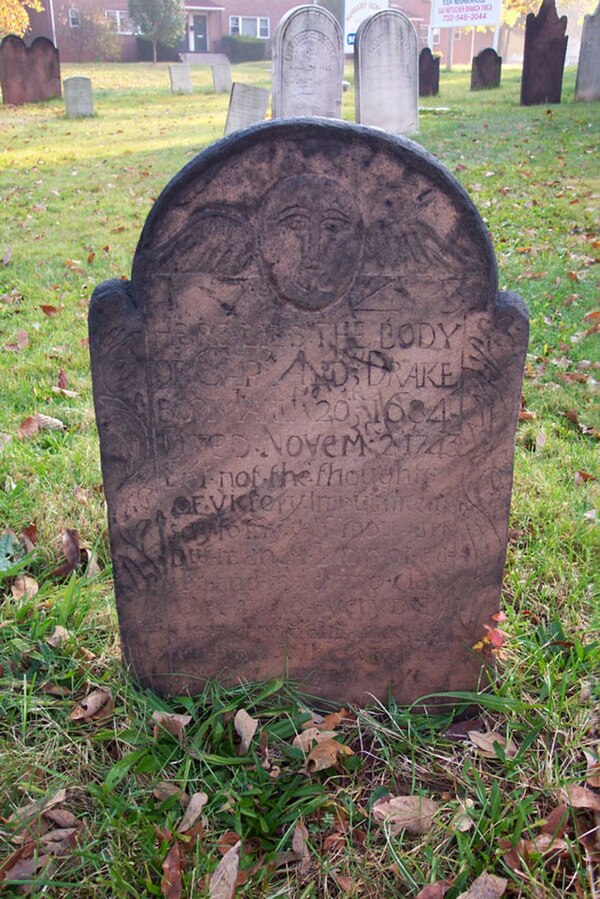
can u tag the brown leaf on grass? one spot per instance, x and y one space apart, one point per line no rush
62 380
62 817
81 495
592 316
227 840
486 743
573 276
165 789
581 797
30 536
544 844
49 310
96 705
59 636
556 822
581 477
526 415
571 415
300 841
435 890
21 344
7 256
459 730
171 885
592 776
307 738
29 427
540 441
71 552
223 879
24 585
91 256
326 755
53 689
245 727
33 809
412 813
192 812
334 719
487 886
24 864
174 724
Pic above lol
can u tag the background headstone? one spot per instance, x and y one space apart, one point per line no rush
386 72
221 73
429 73
181 78
587 86
28 74
486 70
78 97
308 64
306 398
247 106
544 56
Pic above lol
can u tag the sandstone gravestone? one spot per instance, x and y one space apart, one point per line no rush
181 78
544 56
247 106
587 86
78 97
306 399
486 70
429 73
28 74
221 74
386 72
308 64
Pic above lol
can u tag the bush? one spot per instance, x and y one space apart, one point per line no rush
243 49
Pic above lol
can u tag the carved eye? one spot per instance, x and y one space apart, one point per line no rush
333 224
296 223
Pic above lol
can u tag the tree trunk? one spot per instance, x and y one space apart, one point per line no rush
154 53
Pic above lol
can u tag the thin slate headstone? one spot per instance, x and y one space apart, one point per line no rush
587 86
307 397
544 56
181 78
247 106
486 70
78 97
221 74
429 73
308 64
28 74
386 72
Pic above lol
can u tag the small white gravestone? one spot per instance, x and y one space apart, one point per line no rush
78 97
308 64
181 79
247 106
587 86
386 69
221 73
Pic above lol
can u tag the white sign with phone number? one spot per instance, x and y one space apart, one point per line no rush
460 13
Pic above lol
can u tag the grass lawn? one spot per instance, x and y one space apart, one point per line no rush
94 775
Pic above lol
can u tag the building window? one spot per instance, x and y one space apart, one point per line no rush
74 18
435 36
250 26
457 34
122 24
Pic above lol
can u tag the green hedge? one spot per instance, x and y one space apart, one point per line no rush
243 49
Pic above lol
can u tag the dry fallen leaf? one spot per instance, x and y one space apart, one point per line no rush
485 743
222 881
334 719
165 789
24 814
49 310
97 704
462 820
412 813
307 738
24 864
171 884
193 811
487 886
174 724
592 776
245 727
581 797
59 636
24 585
435 890
38 422
326 755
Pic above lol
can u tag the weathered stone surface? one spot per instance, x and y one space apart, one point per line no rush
181 78
221 73
386 72
429 73
544 56
78 97
587 86
28 74
306 399
486 70
247 106
308 64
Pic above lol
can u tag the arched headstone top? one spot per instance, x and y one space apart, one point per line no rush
409 222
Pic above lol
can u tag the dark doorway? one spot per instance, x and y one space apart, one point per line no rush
200 35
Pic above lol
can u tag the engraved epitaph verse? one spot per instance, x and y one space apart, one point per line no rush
306 400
